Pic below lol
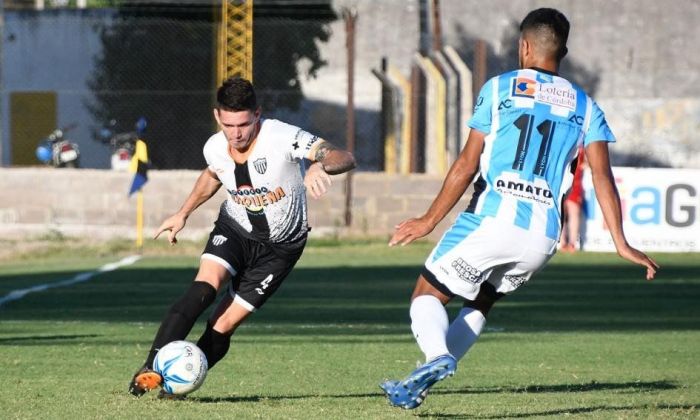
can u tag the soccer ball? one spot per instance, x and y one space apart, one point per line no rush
182 365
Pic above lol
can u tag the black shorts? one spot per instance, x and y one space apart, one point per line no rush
257 268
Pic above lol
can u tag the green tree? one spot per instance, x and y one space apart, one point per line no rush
158 61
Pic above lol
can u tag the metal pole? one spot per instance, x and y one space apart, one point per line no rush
437 28
3 123
417 120
350 17
479 67
425 22
385 156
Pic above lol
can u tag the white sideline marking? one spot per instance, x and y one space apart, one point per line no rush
79 278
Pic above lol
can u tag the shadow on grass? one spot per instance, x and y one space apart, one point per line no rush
364 301
256 398
589 387
37 339
564 411
636 386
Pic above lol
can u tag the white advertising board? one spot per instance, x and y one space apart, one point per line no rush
660 210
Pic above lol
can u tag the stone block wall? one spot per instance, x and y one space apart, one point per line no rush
93 203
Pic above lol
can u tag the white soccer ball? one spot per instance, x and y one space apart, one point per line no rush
182 365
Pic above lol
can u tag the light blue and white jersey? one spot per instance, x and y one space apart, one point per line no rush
534 122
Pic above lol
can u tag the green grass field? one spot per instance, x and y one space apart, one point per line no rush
588 338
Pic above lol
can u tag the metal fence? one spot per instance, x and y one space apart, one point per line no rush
96 66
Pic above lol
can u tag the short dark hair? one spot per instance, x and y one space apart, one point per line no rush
553 23
236 94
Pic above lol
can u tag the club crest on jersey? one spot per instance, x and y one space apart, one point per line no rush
260 165
523 87
218 240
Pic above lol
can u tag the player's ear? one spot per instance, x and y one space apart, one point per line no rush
563 52
216 116
258 112
523 50
525 47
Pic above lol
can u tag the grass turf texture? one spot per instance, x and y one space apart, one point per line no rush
589 337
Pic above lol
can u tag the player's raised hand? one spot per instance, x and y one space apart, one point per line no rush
173 225
317 180
410 230
638 257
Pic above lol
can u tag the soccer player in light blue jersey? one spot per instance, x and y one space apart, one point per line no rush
520 153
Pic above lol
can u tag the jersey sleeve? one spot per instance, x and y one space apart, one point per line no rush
481 119
301 143
209 152
598 129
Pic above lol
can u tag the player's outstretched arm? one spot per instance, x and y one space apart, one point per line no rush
458 178
335 161
328 160
206 186
609 201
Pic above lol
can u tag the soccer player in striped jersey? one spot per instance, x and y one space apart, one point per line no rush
520 153
262 226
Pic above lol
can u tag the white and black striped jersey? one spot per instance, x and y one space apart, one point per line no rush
266 195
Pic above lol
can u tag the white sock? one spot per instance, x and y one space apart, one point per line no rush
464 331
429 324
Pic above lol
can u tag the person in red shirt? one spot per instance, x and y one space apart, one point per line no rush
573 203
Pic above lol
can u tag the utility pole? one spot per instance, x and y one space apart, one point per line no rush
425 18
350 17
437 28
3 123
480 65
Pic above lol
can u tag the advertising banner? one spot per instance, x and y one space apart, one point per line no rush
660 210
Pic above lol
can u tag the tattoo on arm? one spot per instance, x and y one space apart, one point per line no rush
334 161
322 150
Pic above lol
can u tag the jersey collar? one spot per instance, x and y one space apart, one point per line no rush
553 73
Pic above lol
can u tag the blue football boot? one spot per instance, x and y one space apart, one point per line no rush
411 392
398 397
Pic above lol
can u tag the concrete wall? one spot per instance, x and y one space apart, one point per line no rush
68 43
638 58
635 56
93 203
621 48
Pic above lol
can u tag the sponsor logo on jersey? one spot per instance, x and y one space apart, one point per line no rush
260 165
577 119
523 87
311 142
506 104
466 272
557 95
297 137
218 240
298 134
256 199
515 281
479 102
512 185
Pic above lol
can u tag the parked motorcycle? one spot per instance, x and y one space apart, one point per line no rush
58 151
122 144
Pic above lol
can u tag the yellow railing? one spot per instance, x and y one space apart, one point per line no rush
235 40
